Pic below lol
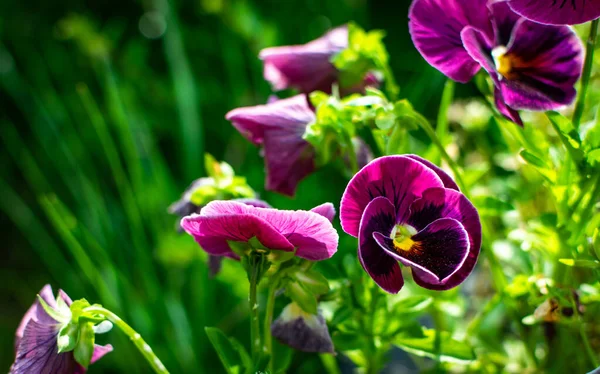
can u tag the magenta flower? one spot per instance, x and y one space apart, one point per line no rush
306 67
533 66
309 233
403 208
557 12
279 127
37 341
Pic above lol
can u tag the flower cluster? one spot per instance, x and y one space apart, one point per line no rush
279 126
533 66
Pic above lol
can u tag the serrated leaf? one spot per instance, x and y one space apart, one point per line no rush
451 350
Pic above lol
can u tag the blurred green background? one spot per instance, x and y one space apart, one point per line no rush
106 109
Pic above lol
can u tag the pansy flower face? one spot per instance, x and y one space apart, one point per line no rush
557 12
37 341
405 209
533 66
279 128
306 67
309 233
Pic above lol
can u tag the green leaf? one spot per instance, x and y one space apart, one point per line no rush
232 354
593 157
347 341
580 263
532 159
312 280
85 346
68 336
451 350
568 135
302 296
282 357
411 305
491 206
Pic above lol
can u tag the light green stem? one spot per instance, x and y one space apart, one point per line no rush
587 72
268 341
136 338
255 341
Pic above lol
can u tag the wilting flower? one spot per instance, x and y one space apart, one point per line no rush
533 66
306 67
557 12
302 331
403 208
308 233
279 127
37 339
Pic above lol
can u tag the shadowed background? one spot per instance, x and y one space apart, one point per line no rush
106 109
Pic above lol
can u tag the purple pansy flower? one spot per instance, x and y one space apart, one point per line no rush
557 12
533 66
403 208
306 67
279 127
309 233
36 341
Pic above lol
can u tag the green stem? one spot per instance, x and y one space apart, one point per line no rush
426 126
255 342
268 341
442 120
588 347
587 72
136 338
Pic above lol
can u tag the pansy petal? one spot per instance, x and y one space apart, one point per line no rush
555 12
306 67
480 48
213 232
37 352
435 27
327 210
280 127
100 351
253 202
289 159
302 331
252 122
311 233
546 63
379 217
437 203
398 178
440 249
504 20
445 177
508 112
37 313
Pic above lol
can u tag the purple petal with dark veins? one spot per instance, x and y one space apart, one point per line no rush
435 27
439 203
306 67
445 177
439 250
280 127
547 62
379 217
504 21
557 12
398 178
310 233
508 112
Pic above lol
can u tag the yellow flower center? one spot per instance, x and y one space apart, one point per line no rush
402 235
503 61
